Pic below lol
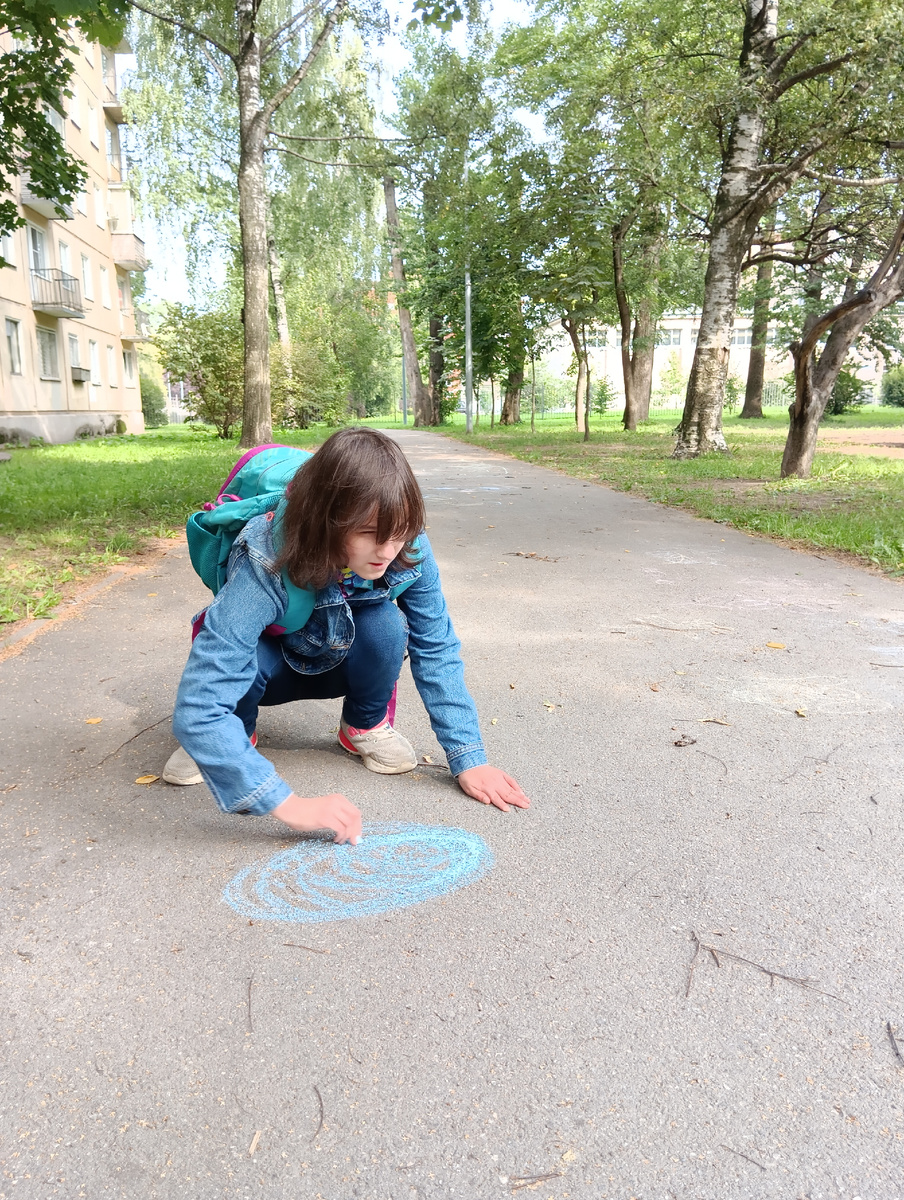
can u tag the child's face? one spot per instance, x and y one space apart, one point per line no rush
366 557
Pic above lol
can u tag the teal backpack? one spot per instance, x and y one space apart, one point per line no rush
256 484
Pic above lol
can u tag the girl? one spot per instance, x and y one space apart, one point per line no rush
349 529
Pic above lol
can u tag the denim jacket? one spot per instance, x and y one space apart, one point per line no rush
223 662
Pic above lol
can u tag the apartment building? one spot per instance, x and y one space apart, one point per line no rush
68 327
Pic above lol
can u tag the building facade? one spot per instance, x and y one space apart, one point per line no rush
69 329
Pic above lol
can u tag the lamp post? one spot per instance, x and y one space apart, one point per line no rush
469 362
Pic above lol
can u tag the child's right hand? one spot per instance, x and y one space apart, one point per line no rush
307 813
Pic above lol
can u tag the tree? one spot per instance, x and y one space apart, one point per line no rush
34 79
893 387
807 90
815 375
205 351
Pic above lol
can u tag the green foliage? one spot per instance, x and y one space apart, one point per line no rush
205 349
153 402
34 78
605 396
893 386
314 389
734 392
672 381
848 394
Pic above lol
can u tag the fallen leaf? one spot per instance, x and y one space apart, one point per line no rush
799 712
776 645
93 720
548 704
495 721
512 686
681 672
654 687
152 593
427 758
147 778
684 740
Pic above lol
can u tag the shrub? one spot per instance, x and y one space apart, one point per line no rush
893 386
849 393
205 350
153 402
604 396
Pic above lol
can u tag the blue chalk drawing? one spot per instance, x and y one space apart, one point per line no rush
395 865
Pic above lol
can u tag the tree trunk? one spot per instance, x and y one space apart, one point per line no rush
572 328
511 407
418 395
533 390
437 370
279 302
740 203
756 371
252 186
492 402
637 351
814 380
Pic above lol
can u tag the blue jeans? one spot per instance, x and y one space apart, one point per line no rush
365 677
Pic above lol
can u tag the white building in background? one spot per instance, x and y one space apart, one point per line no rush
676 344
69 329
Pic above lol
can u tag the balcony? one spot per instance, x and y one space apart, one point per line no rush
40 204
56 294
135 325
128 252
112 103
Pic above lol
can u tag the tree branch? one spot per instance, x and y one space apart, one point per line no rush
184 25
267 43
295 79
783 59
319 162
342 137
810 73
879 181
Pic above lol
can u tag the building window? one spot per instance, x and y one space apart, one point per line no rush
105 288
88 52
112 373
668 337
37 249
47 354
75 357
93 127
618 339
742 337
65 259
56 120
81 203
87 281
100 213
94 359
694 333
75 115
14 346
128 367
7 248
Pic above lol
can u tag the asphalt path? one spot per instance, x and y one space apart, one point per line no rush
680 978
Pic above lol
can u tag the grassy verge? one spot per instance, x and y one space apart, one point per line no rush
69 511
852 502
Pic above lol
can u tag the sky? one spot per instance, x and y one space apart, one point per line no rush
167 279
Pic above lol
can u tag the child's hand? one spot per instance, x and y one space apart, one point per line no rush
307 813
489 785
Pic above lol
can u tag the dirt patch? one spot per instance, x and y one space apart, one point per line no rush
881 443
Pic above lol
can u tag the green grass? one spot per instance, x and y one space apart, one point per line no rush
69 511
852 502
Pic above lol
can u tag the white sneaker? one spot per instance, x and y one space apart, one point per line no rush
181 769
382 749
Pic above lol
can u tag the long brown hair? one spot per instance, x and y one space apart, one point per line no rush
358 476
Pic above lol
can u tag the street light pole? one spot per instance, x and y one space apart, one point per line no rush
469 363
404 389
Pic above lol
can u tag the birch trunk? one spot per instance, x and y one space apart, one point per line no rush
279 301
740 202
252 187
418 395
